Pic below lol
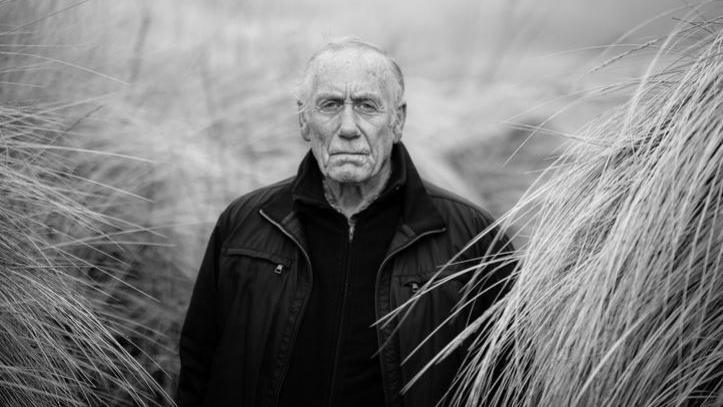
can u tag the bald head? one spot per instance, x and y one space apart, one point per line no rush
352 50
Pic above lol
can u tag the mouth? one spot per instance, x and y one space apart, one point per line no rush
348 153
348 157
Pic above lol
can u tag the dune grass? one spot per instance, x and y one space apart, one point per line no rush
619 296
59 341
72 229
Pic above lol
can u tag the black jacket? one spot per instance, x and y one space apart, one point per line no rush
256 277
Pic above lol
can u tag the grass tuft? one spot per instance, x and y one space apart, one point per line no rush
59 342
619 298
72 235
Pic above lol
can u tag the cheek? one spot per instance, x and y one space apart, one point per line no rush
319 138
319 144
320 152
382 145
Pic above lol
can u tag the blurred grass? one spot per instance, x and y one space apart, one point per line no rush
201 95
59 240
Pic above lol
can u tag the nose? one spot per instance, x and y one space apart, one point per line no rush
348 128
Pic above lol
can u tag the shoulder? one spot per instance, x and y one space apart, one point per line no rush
455 207
249 204
469 222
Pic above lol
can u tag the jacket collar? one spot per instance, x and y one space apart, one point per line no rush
419 215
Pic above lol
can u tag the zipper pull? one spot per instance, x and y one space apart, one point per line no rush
279 268
352 225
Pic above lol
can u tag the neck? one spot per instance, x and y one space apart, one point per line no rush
352 198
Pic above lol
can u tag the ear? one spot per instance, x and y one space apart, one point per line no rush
303 124
400 115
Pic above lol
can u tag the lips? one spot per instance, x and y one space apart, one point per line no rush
348 153
342 157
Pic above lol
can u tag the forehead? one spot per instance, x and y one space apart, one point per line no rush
352 70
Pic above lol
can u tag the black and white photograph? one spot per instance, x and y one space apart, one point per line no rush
317 203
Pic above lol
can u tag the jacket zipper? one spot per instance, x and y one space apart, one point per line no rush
285 368
342 312
382 341
311 275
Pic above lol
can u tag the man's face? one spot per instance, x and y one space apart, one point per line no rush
351 119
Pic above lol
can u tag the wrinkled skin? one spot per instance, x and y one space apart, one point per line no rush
351 121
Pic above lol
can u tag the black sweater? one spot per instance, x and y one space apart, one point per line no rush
333 362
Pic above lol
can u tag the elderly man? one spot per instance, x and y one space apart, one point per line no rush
296 274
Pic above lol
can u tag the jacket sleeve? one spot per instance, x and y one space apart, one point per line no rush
200 332
496 279
497 254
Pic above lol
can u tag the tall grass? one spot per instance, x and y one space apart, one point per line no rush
619 298
60 340
69 237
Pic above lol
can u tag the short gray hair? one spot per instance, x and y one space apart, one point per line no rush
303 89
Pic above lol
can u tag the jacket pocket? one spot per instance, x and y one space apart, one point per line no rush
445 278
279 263
250 280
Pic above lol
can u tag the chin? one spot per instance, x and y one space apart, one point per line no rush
348 177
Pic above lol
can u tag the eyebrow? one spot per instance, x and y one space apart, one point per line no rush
354 96
367 95
329 95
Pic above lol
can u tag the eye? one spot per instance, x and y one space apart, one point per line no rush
367 106
329 106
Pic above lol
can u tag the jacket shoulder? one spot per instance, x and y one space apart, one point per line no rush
451 204
470 221
250 203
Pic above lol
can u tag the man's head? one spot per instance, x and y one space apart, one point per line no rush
352 110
